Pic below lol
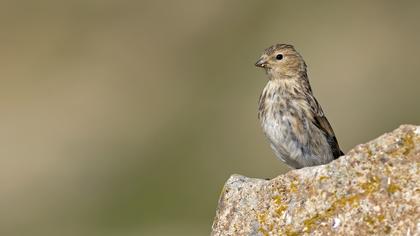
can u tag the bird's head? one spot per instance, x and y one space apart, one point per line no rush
282 61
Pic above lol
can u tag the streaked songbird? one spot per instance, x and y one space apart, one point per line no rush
290 116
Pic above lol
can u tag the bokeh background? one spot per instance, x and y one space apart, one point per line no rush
126 117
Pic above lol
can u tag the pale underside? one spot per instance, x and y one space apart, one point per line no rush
288 125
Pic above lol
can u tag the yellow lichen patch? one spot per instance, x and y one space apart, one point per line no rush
376 223
359 174
281 209
277 200
372 185
392 188
290 232
387 169
368 151
262 220
262 217
263 231
369 220
323 177
309 223
409 143
271 227
352 200
328 213
406 147
293 187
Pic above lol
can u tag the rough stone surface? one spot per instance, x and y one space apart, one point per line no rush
373 190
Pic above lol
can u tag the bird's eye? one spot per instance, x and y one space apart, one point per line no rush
279 56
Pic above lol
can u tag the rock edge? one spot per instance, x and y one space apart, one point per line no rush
373 189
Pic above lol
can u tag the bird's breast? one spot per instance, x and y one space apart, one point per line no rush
281 117
285 118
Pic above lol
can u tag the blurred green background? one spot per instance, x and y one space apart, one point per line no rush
126 117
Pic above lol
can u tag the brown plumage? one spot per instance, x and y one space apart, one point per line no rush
290 116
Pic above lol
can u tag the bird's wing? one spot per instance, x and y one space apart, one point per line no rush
322 123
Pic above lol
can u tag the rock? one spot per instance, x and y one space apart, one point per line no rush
374 189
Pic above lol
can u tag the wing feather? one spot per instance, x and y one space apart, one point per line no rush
322 123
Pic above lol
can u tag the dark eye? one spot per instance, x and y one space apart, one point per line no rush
279 56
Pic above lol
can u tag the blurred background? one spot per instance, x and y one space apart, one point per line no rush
127 117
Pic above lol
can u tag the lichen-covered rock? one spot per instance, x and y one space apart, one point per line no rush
374 189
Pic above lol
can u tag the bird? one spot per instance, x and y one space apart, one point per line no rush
290 116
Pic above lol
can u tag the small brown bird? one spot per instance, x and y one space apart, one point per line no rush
290 116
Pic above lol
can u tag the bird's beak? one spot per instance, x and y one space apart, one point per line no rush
261 62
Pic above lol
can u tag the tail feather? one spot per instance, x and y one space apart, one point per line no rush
341 153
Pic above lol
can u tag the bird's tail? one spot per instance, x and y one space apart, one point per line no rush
341 154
